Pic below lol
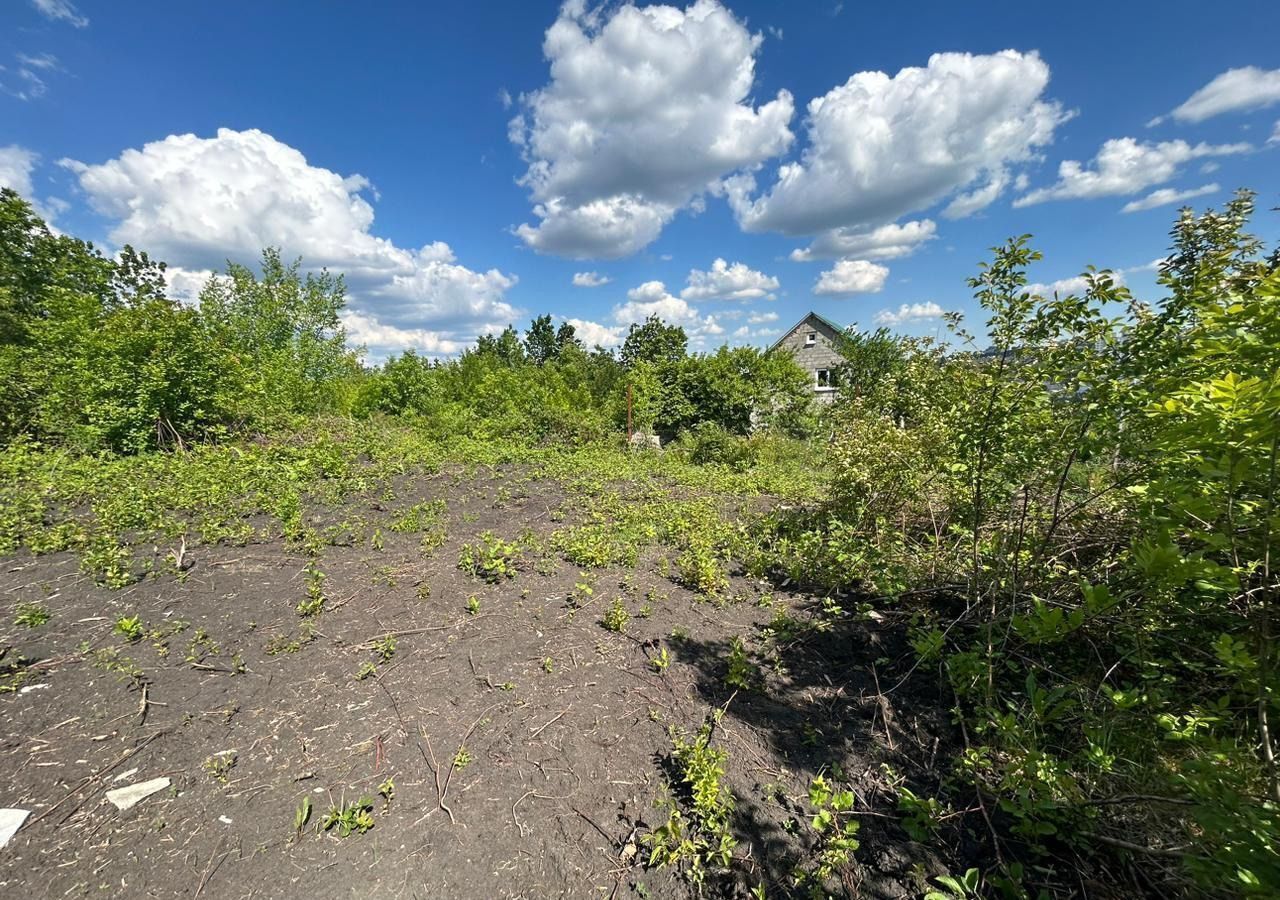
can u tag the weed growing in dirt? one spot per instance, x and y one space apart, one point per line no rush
366 670
921 816
109 659
661 661
14 671
349 818
966 887
419 517
491 558
219 766
31 615
130 628
695 838
462 758
385 648
582 592
616 617
301 816
387 791
201 647
548 665
740 672
699 568
473 605
313 603
834 830
278 643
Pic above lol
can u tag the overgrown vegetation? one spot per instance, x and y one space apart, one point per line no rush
1071 512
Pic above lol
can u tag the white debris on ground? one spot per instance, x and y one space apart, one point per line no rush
128 797
10 821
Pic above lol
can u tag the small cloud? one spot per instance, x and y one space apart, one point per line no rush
725 281
1125 166
1167 196
851 276
504 97
45 61
1235 90
589 279
61 11
1076 285
909 312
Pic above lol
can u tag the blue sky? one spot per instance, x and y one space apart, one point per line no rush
463 162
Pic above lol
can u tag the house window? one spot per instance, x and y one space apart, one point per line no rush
811 338
825 380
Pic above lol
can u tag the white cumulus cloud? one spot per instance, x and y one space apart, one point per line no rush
851 276
16 165
881 146
725 281
1234 90
886 242
1124 166
594 334
909 312
197 202
589 279
1166 196
645 110
652 299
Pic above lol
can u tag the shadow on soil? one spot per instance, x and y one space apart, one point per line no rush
818 707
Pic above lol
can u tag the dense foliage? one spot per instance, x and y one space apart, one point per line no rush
1081 523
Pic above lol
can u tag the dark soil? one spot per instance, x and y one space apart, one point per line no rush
565 723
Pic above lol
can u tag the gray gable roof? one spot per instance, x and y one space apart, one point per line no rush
817 322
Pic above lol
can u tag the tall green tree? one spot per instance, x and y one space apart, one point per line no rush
279 334
654 341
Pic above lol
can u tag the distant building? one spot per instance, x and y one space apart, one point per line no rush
813 341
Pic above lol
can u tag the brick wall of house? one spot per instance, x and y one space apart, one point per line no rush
822 355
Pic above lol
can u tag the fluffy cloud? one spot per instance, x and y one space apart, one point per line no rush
61 10
1234 90
886 242
728 282
1166 196
197 202
16 164
1124 166
881 147
382 339
851 276
646 109
589 279
594 334
762 318
652 299
909 312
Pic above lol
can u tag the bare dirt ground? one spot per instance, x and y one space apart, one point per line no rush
526 742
